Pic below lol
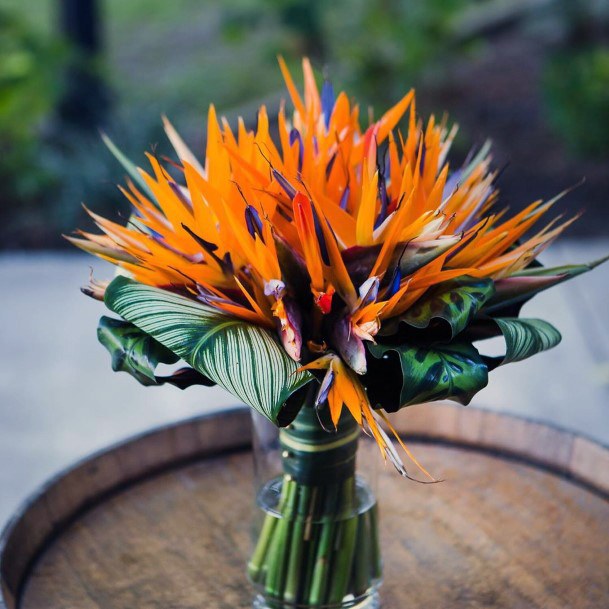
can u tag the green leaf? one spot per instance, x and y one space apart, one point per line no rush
132 350
526 337
243 358
455 302
570 270
522 286
128 166
454 371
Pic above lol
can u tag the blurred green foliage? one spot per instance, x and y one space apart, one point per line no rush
374 48
576 88
29 88
386 46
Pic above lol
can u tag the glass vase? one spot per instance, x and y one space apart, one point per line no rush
316 540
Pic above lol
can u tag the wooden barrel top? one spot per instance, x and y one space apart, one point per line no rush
162 520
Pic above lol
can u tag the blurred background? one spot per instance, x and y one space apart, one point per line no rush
531 75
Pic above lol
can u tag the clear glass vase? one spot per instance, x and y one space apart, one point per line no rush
316 538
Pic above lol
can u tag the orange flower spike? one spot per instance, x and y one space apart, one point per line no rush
395 169
294 95
367 210
290 152
216 159
392 117
434 199
344 386
335 403
348 388
123 236
341 115
388 309
391 239
267 149
312 100
432 154
265 317
305 224
509 231
173 208
210 220
336 271
409 147
206 222
147 215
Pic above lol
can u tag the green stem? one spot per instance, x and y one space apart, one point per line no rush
319 581
297 546
256 563
342 565
362 569
375 549
279 547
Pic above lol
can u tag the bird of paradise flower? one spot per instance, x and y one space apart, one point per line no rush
343 241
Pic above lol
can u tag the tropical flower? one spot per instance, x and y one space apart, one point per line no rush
372 260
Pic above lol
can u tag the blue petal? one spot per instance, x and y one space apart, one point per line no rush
330 165
382 188
394 286
296 137
322 394
344 198
287 187
323 248
327 101
422 167
253 222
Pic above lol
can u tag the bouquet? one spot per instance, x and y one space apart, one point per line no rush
326 277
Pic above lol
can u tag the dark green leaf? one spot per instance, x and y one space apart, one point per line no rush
454 302
243 358
453 371
132 350
185 377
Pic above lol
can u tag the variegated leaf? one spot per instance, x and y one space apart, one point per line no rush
526 337
454 371
243 358
456 302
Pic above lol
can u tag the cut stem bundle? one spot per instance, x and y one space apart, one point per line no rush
318 546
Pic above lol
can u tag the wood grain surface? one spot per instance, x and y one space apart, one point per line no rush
497 533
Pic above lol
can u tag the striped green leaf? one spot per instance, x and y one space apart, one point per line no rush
244 359
453 371
526 337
